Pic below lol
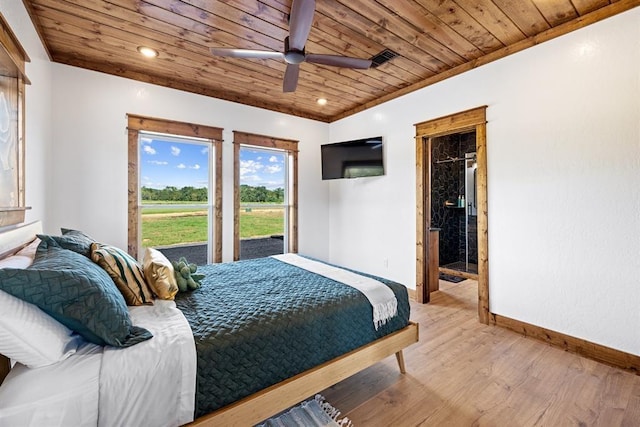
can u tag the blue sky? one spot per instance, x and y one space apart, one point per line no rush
173 163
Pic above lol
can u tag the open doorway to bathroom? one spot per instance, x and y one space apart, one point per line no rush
454 204
451 197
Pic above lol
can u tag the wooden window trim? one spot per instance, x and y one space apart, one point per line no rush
135 124
288 145
474 119
12 65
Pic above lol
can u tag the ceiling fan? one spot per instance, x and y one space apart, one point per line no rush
300 21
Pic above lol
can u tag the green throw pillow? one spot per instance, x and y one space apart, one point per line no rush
76 292
73 240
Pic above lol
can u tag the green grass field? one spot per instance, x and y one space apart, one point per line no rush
170 226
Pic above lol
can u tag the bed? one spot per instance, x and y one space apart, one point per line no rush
258 334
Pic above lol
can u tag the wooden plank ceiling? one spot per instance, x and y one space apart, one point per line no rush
435 39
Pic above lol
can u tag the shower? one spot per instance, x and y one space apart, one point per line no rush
454 202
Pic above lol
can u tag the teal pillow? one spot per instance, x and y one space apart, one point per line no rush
77 293
73 240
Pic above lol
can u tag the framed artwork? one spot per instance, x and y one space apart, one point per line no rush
12 83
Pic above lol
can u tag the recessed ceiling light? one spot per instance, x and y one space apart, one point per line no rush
322 101
147 51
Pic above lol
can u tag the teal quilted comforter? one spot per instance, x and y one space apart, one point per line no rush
259 322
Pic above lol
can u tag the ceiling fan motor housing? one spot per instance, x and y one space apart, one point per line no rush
293 56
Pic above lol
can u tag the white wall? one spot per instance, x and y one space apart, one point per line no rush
90 155
563 159
38 109
563 139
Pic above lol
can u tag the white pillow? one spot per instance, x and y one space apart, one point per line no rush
23 258
32 337
16 261
30 249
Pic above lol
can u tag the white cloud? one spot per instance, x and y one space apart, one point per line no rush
181 166
149 149
147 182
250 178
273 169
205 150
146 140
157 162
259 158
196 166
273 159
175 150
249 167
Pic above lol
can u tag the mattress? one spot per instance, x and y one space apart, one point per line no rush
259 322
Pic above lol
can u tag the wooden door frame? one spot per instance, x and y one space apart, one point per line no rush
474 119
290 146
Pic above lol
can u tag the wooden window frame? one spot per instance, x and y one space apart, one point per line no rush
291 148
474 119
12 64
136 124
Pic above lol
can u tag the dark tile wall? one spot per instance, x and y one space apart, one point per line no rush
445 186
447 182
468 145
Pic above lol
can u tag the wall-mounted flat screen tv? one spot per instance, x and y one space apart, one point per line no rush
352 159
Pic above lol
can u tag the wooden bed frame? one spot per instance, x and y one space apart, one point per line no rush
265 403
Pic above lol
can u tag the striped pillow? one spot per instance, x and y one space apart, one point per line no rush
125 271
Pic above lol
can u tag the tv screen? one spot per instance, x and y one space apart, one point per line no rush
352 159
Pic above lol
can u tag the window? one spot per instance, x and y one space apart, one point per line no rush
265 220
12 102
175 192
175 200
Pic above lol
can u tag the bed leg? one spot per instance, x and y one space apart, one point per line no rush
400 358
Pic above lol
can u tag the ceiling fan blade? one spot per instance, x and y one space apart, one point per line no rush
291 78
339 61
300 21
246 53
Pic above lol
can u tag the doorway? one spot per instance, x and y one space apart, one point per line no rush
470 126
453 204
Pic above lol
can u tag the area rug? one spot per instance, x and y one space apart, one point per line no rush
313 413
450 278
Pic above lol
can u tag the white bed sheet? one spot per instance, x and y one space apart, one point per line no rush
64 394
149 384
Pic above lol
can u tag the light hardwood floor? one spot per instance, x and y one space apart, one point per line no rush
463 373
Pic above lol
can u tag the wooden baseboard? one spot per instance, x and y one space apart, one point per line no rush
412 294
609 356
